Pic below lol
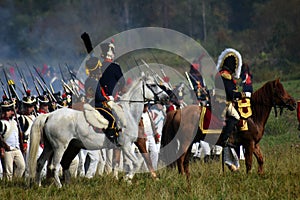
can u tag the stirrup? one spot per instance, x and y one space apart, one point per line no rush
228 144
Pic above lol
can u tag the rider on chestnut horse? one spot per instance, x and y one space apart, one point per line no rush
229 64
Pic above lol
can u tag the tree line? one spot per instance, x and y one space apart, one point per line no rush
264 31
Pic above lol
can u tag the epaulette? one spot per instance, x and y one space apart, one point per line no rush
226 75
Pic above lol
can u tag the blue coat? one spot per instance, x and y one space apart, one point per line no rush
111 74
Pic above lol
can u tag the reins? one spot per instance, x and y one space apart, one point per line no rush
145 99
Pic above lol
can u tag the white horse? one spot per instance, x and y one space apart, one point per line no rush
66 131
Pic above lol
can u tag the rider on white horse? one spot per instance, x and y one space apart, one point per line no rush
112 77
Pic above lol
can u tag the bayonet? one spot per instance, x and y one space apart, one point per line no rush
44 86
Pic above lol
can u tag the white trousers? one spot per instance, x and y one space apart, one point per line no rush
92 168
11 158
152 150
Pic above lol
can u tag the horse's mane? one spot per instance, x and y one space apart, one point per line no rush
261 95
131 88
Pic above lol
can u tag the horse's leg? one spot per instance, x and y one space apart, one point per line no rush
127 150
249 150
116 162
180 162
46 154
57 156
186 162
67 159
141 144
259 157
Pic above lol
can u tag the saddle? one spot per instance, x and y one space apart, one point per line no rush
209 123
93 117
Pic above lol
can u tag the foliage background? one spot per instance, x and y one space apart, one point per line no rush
264 31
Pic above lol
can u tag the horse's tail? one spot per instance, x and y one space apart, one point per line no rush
35 138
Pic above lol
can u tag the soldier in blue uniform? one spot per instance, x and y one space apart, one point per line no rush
229 68
108 88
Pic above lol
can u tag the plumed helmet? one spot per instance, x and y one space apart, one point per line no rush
7 104
92 64
28 100
108 50
230 59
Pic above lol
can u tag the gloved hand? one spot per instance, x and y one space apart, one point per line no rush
248 94
111 98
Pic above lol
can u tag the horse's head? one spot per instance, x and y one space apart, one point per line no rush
281 97
155 92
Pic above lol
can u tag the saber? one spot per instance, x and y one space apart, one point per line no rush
189 80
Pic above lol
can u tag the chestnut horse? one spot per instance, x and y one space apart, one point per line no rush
181 127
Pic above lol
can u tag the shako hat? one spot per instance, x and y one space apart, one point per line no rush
43 99
7 104
28 99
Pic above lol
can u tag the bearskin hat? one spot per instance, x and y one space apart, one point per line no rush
231 60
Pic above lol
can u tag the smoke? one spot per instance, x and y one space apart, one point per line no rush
51 35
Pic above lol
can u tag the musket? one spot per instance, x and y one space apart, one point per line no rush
161 70
45 88
73 81
34 82
10 86
164 74
15 113
3 88
64 84
156 76
22 80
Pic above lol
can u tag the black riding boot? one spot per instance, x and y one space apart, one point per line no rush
112 135
227 130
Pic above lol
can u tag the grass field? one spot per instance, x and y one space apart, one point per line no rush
281 180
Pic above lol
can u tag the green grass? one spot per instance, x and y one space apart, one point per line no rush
281 180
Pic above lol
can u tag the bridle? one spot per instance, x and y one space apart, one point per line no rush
145 99
285 103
